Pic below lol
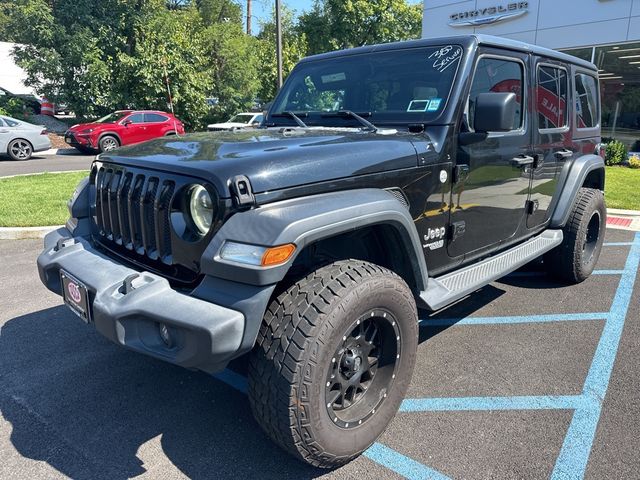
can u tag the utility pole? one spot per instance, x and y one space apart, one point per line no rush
248 17
279 43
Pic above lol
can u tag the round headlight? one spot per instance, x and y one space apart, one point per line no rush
201 208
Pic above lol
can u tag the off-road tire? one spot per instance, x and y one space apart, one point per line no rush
85 150
104 144
575 258
289 366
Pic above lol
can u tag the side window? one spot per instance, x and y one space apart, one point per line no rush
1 122
11 123
551 92
136 118
498 75
586 101
257 119
154 118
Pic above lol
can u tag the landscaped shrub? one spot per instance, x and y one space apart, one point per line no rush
616 153
634 161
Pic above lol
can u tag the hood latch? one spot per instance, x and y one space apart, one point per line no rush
241 191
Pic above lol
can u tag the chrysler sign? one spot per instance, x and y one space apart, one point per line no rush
488 15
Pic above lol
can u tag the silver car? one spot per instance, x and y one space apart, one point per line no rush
20 139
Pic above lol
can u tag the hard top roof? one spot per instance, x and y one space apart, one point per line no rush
465 41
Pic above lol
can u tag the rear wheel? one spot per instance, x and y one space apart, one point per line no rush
20 149
107 143
574 260
333 360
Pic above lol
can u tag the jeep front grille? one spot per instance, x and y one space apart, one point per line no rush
132 210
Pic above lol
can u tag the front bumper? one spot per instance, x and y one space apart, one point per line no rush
205 336
76 140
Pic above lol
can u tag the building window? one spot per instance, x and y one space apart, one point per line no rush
552 97
586 101
497 75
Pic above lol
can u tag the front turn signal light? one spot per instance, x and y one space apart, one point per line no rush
277 255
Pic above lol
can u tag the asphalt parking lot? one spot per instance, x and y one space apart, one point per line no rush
527 378
67 161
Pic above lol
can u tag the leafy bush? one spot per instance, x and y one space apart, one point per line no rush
616 153
634 161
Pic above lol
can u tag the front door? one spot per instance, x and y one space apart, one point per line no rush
492 174
134 130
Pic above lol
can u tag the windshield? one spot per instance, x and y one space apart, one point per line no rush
394 87
241 118
113 117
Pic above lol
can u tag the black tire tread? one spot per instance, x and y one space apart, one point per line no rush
276 361
565 261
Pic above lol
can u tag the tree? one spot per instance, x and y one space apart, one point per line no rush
294 48
338 24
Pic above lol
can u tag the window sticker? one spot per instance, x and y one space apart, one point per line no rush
418 105
434 104
445 57
334 77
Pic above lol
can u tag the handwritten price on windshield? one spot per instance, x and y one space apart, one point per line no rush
445 57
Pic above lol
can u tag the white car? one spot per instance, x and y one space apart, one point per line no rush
21 139
238 122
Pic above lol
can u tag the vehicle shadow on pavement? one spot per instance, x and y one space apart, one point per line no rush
91 409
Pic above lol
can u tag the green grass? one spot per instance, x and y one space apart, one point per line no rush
622 188
37 200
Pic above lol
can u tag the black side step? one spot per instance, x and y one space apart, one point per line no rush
442 291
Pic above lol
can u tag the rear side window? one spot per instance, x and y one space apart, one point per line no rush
586 101
498 75
11 123
154 118
551 92
1 122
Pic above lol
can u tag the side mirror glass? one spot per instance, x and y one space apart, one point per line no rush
494 112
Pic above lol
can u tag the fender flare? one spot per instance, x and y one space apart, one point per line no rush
305 220
572 179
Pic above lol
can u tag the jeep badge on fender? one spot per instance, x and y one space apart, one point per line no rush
383 180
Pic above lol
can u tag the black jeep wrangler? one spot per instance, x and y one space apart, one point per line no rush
384 179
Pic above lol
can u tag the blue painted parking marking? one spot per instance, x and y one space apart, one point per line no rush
574 454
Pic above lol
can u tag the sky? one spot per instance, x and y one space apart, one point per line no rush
261 9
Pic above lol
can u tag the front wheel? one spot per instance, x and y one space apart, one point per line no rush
108 143
20 149
333 360
576 257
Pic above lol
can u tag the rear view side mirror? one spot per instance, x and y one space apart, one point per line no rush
126 123
494 112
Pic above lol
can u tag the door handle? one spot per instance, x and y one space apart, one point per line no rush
4 131
564 153
522 160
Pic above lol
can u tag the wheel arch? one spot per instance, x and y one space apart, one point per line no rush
111 134
586 171
373 215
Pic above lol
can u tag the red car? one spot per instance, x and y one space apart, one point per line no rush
123 127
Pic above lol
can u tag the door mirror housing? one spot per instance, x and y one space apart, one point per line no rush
494 112
126 123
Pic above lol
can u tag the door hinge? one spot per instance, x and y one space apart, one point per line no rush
532 207
457 229
241 191
460 173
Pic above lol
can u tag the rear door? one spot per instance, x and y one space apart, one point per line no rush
552 139
492 175
156 125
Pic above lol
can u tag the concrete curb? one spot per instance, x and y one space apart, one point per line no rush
58 151
23 233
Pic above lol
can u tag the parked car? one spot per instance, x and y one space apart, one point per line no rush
238 122
310 244
29 101
123 127
20 139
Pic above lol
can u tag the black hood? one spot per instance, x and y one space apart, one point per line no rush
272 159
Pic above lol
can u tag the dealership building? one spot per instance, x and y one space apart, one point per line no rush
605 32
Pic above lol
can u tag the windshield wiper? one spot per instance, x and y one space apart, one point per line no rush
289 114
348 113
